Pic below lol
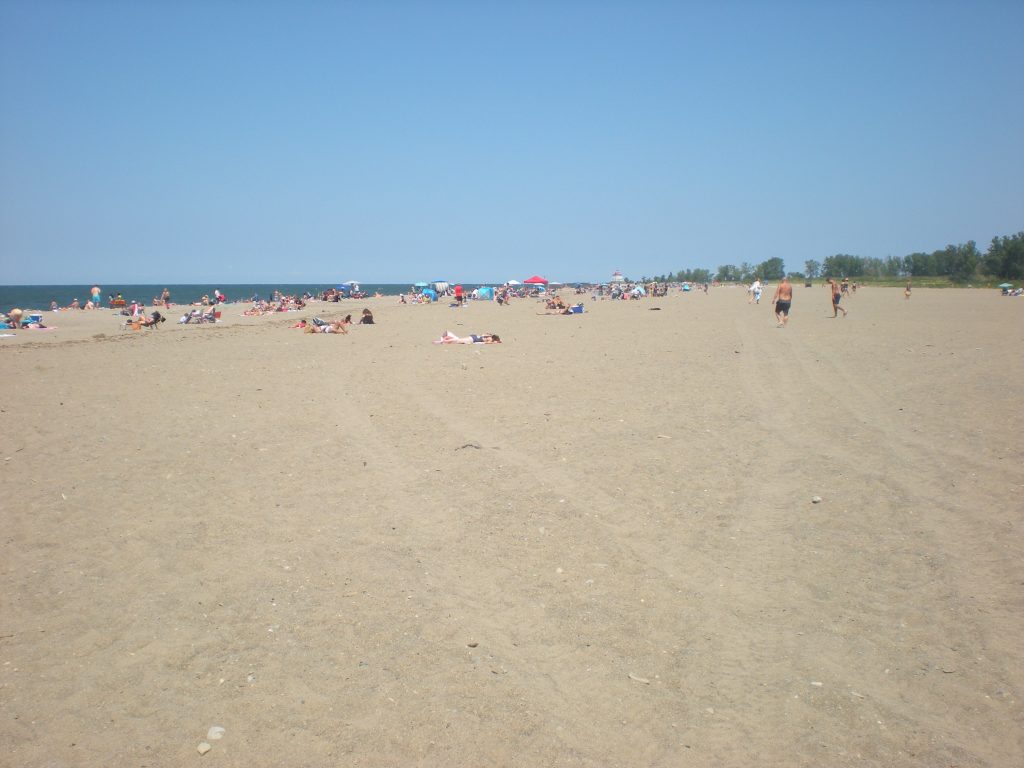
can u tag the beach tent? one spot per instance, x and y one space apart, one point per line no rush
429 293
485 293
535 280
441 286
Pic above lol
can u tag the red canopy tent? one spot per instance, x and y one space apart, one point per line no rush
535 280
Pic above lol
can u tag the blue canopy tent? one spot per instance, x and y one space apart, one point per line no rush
346 288
485 293
430 293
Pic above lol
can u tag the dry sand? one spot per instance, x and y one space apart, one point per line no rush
593 545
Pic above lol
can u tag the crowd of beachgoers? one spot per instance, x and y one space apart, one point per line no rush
208 307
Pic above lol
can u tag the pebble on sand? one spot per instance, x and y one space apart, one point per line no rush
215 732
203 748
815 499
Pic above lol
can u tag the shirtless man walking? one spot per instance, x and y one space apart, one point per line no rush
782 300
836 298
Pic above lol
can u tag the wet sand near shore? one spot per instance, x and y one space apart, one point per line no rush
591 545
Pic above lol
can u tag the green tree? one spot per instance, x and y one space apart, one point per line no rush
812 269
728 273
772 269
894 267
963 262
843 265
920 264
700 276
1005 257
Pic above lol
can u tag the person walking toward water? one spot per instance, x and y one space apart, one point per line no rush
97 296
836 298
782 300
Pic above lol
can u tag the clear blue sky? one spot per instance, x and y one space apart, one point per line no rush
231 141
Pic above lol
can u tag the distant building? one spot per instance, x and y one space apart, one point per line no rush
617 277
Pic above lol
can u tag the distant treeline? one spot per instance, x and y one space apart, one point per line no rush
960 263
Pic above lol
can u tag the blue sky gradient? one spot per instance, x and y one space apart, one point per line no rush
314 141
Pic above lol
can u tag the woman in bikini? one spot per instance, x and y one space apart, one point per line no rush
483 338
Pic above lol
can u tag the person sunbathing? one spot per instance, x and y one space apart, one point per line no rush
198 316
483 338
338 326
576 309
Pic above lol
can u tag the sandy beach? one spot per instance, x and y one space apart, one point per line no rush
591 545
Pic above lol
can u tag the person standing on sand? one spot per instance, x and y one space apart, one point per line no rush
165 297
782 300
836 298
97 296
906 291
